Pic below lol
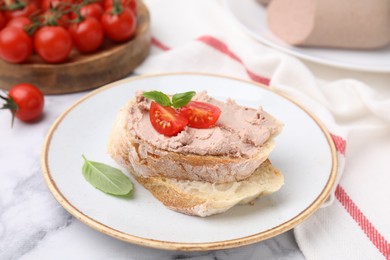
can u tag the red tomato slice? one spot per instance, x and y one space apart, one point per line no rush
200 114
166 120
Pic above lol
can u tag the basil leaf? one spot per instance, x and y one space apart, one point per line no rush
159 97
106 178
182 99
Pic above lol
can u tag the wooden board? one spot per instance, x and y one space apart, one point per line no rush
83 72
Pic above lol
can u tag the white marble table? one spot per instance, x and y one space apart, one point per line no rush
33 225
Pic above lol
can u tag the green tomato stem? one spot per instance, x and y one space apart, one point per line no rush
116 8
16 5
11 105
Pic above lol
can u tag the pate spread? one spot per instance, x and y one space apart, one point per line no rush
239 132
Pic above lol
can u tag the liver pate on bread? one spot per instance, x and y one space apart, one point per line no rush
199 171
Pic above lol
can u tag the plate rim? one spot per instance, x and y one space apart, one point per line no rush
304 56
184 246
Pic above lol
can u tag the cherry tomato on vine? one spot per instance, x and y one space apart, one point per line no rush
37 2
101 3
3 20
89 10
87 35
53 43
166 120
92 10
132 4
53 17
27 10
45 4
118 26
20 22
200 114
25 101
15 45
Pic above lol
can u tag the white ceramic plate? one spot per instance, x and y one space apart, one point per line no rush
251 16
304 153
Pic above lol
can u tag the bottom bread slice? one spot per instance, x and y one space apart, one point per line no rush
204 199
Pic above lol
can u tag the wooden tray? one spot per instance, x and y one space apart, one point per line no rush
83 72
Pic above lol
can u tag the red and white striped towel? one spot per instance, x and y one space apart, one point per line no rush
200 36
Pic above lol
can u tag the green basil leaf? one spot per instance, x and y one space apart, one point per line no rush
106 178
159 97
182 99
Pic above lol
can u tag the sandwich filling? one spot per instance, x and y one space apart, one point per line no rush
239 132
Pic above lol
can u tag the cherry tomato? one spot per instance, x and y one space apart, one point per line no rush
37 2
15 45
92 10
101 3
20 22
26 11
29 101
119 27
45 4
166 120
3 20
53 43
200 114
87 35
132 4
51 17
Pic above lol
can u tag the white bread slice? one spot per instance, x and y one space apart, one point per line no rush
148 161
205 199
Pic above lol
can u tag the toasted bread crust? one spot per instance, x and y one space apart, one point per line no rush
162 191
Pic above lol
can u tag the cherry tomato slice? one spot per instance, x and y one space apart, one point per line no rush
200 114
166 120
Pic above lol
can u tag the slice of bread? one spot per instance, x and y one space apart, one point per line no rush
148 161
204 199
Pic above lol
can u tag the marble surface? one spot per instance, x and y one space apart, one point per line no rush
33 225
